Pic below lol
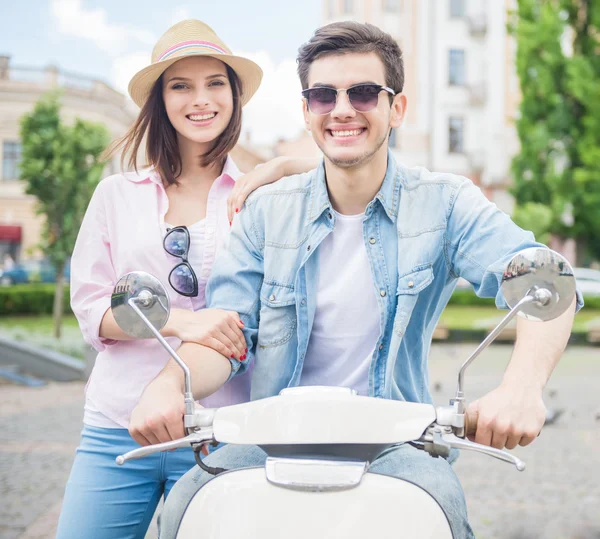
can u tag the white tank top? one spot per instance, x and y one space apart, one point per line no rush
346 325
91 415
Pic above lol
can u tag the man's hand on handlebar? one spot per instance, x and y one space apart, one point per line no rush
510 415
158 416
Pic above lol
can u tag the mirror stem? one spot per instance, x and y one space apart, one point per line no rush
189 397
460 396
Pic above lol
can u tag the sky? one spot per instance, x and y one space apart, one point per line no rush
112 39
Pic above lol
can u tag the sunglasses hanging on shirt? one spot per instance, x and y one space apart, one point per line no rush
182 277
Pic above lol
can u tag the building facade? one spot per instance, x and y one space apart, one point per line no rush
20 89
460 82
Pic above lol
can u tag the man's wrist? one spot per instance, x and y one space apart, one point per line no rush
170 328
171 378
524 379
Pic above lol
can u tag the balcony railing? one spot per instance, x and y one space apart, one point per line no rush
53 77
478 25
477 94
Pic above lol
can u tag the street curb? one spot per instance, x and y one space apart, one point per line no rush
41 361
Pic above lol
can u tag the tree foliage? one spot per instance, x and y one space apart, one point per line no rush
61 167
558 63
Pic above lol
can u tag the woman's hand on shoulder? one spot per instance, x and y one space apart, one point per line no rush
216 328
269 172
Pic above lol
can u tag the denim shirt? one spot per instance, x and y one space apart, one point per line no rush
422 231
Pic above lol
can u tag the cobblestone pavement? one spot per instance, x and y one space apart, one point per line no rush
558 496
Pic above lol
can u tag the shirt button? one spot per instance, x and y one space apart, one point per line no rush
411 284
308 248
372 241
329 215
382 293
272 297
381 346
303 302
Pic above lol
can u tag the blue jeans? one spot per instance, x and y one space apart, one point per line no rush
435 475
104 500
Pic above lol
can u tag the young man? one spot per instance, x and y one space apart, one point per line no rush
340 276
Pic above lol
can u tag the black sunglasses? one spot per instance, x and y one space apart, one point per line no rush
182 277
363 97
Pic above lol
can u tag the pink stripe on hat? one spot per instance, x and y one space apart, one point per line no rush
190 44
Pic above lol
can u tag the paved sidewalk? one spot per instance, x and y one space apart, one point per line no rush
558 496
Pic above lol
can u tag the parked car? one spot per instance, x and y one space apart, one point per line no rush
31 271
588 281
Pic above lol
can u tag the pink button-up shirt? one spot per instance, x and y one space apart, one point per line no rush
123 231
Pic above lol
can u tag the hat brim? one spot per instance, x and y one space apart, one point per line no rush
249 73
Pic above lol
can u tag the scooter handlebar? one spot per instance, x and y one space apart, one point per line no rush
191 439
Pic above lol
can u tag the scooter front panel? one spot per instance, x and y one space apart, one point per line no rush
242 504
321 416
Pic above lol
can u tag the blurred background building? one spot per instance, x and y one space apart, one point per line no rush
461 84
20 88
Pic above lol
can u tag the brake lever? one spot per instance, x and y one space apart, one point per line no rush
191 439
439 441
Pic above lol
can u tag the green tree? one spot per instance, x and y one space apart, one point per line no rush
61 167
558 63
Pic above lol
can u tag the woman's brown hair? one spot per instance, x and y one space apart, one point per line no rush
162 150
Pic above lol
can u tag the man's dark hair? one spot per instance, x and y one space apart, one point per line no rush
353 37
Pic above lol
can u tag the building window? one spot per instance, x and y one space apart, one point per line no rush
456 67
11 157
457 8
456 128
392 6
348 7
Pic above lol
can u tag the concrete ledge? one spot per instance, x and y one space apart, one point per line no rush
41 361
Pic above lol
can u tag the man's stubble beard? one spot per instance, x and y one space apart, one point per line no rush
356 161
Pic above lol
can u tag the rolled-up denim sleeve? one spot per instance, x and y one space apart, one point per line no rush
237 277
481 240
93 276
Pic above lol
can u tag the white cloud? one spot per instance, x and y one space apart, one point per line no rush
126 66
73 19
180 13
275 111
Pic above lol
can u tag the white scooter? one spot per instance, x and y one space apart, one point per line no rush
320 440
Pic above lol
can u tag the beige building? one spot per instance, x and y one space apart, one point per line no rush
20 88
461 84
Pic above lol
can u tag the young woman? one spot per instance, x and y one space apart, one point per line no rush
168 220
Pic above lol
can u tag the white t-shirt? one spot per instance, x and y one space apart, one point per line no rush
91 415
346 325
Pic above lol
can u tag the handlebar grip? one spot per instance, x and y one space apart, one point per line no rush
471 423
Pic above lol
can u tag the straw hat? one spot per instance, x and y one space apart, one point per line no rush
192 38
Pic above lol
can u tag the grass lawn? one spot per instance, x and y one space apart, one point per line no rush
37 330
467 317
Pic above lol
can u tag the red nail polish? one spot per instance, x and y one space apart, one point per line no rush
243 357
232 357
229 223
246 350
241 322
237 210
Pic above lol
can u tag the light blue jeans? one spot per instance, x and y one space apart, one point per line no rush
106 501
435 475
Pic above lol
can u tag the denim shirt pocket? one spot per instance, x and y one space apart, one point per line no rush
409 288
278 319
